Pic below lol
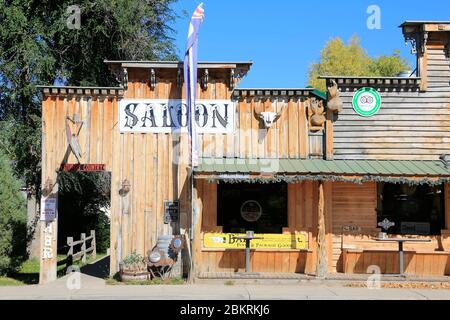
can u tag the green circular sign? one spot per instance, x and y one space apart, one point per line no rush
366 102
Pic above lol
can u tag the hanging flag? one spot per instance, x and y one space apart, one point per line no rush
190 78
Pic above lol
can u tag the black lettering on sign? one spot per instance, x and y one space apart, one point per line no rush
202 112
131 119
167 116
182 115
149 115
216 115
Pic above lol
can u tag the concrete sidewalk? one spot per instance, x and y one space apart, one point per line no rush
94 288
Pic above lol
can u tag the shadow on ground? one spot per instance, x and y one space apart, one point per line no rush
98 269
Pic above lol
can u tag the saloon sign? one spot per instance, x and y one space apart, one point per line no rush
164 116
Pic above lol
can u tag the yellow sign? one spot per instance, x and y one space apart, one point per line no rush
269 241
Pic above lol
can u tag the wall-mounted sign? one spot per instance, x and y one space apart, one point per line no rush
48 208
268 241
165 116
366 102
47 250
422 228
351 228
251 211
171 211
90 167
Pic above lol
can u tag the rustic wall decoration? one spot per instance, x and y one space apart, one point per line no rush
267 118
334 101
317 118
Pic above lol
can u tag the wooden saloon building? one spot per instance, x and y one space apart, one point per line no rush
317 176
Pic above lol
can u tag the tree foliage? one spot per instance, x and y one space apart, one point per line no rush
83 200
38 45
340 59
12 219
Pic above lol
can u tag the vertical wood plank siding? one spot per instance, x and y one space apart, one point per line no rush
251 140
147 160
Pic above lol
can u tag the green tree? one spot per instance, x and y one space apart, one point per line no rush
12 219
351 59
84 198
39 46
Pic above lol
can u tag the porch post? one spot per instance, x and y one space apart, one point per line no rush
321 265
49 236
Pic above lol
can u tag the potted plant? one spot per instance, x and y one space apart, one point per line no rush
133 268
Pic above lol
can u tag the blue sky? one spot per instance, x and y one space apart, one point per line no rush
284 37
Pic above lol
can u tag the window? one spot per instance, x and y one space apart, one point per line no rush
415 209
261 208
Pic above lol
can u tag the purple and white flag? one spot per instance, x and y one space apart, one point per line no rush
190 78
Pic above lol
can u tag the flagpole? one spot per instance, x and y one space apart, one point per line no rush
191 85
191 113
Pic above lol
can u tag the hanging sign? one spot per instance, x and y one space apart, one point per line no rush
366 102
89 167
48 208
268 241
165 116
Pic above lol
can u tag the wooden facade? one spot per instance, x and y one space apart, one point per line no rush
302 217
415 114
413 124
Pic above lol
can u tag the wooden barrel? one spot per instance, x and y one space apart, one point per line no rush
133 276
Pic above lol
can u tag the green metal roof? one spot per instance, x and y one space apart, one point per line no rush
370 169
317 92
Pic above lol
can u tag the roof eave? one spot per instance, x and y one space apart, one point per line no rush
179 64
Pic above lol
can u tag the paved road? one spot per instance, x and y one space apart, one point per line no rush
95 288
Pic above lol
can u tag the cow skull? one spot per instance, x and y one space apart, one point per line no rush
268 118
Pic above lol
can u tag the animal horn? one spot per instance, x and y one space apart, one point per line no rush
256 113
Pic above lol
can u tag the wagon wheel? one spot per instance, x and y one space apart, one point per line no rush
162 273
152 273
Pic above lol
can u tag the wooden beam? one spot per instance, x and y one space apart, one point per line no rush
322 265
49 238
328 207
447 205
329 150
423 69
196 227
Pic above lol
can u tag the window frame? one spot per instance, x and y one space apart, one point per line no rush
380 216
220 214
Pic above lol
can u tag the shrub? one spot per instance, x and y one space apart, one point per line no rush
84 198
134 263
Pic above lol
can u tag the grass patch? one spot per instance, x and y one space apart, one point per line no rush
229 283
28 272
115 281
6 281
